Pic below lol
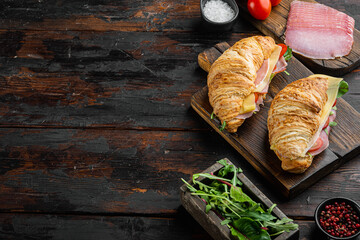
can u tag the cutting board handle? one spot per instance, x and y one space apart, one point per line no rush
208 57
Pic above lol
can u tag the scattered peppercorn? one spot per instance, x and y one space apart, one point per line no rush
339 220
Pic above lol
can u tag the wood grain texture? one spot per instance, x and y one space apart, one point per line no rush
254 145
115 79
275 26
184 227
32 226
129 172
106 15
96 124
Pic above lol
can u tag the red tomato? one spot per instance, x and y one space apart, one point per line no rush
259 9
256 96
316 145
327 123
283 49
275 2
334 103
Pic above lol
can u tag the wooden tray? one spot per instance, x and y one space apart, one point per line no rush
251 140
275 26
211 222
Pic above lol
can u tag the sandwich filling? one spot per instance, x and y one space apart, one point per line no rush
252 102
320 140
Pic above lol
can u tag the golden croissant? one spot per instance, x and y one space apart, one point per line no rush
239 79
298 120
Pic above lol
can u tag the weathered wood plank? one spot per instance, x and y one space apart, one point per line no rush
105 15
115 79
127 172
126 15
30 226
182 226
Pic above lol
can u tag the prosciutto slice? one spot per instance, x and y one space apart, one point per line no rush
318 31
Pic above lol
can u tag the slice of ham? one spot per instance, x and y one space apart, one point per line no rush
325 140
261 73
260 77
318 31
280 65
324 136
332 116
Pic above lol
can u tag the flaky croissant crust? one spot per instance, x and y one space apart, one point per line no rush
231 77
293 120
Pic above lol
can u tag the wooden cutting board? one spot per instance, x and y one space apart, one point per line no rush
275 26
251 140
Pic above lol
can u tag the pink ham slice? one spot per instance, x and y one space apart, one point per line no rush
324 137
261 73
318 31
280 65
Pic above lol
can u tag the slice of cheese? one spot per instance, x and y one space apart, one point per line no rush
332 91
249 102
274 57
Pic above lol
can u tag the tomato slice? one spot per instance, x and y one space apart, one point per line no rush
256 96
327 123
283 49
316 145
334 103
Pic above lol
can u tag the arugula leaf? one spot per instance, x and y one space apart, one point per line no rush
288 54
223 126
251 229
212 115
208 208
332 124
258 216
238 195
334 108
271 208
272 76
281 225
343 88
226 221
223 194
237 235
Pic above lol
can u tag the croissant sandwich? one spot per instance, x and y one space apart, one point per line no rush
300 118
239 79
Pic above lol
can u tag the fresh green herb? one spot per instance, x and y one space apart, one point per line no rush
326 131
288 54
287 73
331 113
212 115
343 88
310 154
272 76
334 108
246 218
223 126
332 124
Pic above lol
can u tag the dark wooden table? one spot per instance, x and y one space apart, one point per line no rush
96 124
